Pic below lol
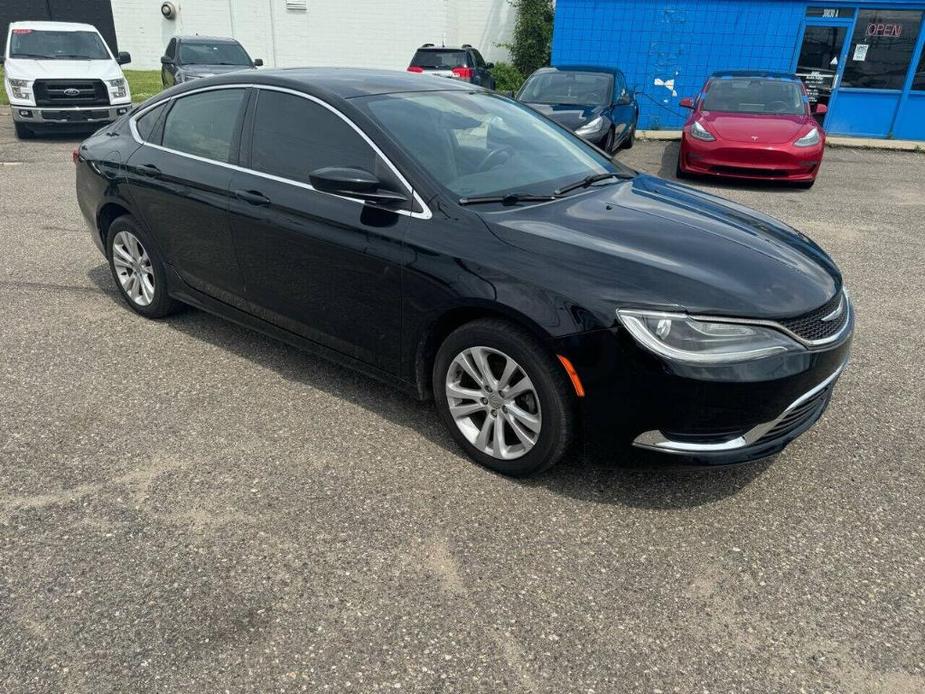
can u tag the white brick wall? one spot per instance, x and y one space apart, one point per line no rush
362 33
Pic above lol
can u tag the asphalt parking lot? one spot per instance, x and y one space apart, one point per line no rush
186 505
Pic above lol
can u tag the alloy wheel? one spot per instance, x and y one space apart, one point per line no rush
133 268
493 402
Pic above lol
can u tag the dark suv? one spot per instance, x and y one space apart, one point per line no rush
193 57
465 63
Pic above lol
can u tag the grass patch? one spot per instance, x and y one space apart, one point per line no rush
143 83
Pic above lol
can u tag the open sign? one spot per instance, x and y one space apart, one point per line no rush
884 29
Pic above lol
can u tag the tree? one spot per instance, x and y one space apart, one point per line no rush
531 45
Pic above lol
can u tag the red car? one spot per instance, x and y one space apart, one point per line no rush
752 125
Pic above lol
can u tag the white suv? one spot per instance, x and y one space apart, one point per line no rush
60 74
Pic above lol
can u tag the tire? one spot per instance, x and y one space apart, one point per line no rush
679 173
631 140
546 401
146 294
22 132
607 144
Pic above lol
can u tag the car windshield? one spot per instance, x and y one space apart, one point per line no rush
749 95
224 53
439 59
57 45
478 144
561 87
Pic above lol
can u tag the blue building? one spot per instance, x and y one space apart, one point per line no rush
865 60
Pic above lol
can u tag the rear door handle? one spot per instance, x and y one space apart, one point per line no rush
252 197
150 170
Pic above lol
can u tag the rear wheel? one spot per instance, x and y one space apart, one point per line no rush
504 398
138 270
22 132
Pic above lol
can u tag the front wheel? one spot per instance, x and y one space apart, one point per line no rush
22 132
630 139
504 398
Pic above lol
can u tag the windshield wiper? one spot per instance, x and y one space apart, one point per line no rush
591 180
508 199
34 56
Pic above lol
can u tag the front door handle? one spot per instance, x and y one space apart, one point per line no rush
149 170
252 197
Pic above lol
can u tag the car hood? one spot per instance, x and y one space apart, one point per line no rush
23 69
210 70
648 242
745 127
571 116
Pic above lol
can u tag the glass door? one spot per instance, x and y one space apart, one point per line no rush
819 61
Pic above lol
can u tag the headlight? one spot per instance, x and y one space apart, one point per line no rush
118 88
19 89
682 338
701 133
591 126
809 139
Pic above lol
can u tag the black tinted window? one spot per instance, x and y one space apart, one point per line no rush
918 81
294 136
171 49
204 124
881 48
147 124
439 58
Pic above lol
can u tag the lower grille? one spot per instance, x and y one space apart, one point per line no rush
799 415
749 171
75 116
63 93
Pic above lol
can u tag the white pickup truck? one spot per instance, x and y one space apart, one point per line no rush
61 74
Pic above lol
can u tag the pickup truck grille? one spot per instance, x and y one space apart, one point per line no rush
62 93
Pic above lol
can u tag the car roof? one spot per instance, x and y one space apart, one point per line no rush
210 39
582 68
333 83
447 48
53 26
763 74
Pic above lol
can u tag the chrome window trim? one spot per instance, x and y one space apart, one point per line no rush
424 214
845 304
657 441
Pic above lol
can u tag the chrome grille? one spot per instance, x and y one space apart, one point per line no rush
799 415
812 326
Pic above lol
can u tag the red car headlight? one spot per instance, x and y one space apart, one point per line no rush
809 139
701 133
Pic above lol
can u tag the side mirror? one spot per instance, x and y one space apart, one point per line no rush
686 102
258 62
166 61
490 66
123 58
354 183
820 109
625 99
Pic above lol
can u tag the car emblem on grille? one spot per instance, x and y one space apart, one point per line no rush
754 138
71 92
834 314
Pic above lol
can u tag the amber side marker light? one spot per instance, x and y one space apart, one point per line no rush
572 374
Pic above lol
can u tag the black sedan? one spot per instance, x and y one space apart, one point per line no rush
593 102
452 242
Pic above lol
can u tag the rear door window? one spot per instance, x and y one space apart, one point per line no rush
440 59
147 124
204 124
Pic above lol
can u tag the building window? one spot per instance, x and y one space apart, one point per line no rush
918 83
881 48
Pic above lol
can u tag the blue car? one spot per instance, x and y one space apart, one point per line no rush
593 102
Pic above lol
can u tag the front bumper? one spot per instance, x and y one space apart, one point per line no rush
750 161
70 116
704 415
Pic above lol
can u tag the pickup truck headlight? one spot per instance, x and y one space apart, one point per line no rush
701 133
20 89
118 88
683 338
591 127
809 139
